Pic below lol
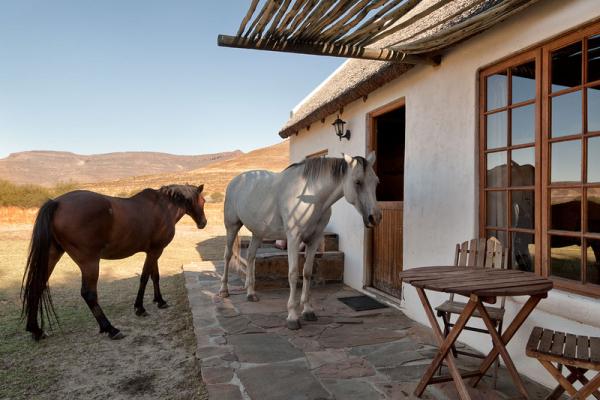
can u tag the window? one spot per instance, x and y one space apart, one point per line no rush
540 159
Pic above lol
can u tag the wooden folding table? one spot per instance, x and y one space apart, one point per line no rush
480 285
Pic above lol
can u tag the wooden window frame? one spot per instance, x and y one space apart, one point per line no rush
542 55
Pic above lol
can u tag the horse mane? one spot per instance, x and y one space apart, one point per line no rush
316 167
182 195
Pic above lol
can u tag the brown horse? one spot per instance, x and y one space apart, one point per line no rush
89 226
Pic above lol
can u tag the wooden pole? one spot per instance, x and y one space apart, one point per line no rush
327 49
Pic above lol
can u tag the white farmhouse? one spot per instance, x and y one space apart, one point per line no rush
502 139
435 143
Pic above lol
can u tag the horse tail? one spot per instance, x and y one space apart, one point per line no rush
35 292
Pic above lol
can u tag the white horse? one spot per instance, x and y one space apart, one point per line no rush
295 204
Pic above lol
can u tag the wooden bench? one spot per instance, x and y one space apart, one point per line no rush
578 354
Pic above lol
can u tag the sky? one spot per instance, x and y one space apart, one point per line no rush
91 77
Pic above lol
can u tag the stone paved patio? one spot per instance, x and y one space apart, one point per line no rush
246 352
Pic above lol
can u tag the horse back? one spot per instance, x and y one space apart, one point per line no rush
107 227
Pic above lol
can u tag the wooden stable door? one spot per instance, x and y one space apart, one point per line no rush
387 249
387 139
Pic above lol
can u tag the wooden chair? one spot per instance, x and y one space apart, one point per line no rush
484 254
578 353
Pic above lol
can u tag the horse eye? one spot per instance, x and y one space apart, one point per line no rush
358 183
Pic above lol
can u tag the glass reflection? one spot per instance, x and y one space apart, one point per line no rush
593 261
496 125
565 209
593 70
522 167
593 108
566 67
496 169
497 91
523 125
523 251
593 210
523 82
566 161
566 114
565 257
496 209
593 159
522 207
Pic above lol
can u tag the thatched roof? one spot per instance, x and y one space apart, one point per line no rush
429 28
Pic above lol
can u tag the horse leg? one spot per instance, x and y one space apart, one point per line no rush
89 292
293 321
138 306
308 313
250 270
158 299
232 231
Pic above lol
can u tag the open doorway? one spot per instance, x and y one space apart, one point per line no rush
387 138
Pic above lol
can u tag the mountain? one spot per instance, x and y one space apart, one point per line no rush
214 176
47 168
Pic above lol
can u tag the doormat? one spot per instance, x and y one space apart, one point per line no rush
361 303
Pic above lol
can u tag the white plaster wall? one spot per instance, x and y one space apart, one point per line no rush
441 187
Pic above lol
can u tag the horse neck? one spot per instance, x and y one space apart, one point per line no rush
175 211
329 191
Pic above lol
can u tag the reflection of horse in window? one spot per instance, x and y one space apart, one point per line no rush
567 216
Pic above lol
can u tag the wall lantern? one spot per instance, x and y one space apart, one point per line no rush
338 125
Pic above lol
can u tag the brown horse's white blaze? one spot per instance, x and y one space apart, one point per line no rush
296 205
89 226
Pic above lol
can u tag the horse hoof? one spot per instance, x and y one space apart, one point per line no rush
140 312
37 336
252 297
309 316
116 336
163 305
224 293
293 325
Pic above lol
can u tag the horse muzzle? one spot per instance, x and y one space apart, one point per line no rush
373 219
202 224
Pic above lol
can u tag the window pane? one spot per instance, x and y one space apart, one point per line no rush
496 169
565 209
496 209
496 130
523 125
593 210
566 67
522 167
523 251
593 109
593 58
593 261
522 207
566 114
497 90
566 161
523 82
593 167
565 255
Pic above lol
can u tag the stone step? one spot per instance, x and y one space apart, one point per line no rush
330 242
271 267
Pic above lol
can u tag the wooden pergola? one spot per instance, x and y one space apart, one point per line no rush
358 28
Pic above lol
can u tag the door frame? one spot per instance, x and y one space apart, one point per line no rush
371 143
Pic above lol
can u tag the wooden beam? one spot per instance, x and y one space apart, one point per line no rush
327 49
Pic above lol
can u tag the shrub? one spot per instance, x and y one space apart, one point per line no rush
217 197
29 196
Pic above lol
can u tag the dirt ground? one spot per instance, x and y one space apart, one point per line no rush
156 359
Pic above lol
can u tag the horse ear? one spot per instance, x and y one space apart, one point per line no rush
348 158
371 158
200 188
